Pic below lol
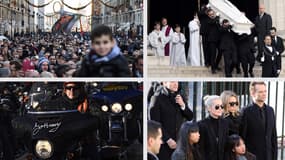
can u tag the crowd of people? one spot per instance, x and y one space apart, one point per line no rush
54 55
225 134
212 38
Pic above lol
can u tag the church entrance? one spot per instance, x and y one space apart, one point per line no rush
182 11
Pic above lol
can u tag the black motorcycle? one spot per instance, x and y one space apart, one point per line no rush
55 133
120 108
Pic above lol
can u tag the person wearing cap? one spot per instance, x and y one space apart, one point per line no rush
43 64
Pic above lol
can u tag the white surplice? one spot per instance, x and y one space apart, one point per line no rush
157 42
194 52
177 54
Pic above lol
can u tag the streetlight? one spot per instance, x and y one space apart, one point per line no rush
34 15
29 20
22 10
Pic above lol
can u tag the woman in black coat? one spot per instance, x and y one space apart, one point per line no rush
231 111
213 130
187 148
236 149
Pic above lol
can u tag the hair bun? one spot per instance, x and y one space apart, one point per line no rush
206 97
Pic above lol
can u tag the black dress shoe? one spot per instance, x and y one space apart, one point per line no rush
245 75
229 75
238 71
218 69
214 72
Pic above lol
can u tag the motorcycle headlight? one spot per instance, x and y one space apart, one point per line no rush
104 108
116 108
44 149
128 107
35 104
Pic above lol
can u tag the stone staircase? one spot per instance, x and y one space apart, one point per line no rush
161 68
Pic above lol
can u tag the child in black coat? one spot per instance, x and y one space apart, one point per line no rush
105 58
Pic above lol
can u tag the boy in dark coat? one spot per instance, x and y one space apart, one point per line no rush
105 58
269 59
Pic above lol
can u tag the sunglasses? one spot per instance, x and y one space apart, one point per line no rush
219 106
72 87
233 103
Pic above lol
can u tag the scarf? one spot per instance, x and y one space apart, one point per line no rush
114 53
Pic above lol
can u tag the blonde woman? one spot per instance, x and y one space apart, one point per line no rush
231 111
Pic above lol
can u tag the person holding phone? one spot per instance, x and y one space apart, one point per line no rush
171 110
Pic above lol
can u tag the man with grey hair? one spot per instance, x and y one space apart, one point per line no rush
263 23
258 127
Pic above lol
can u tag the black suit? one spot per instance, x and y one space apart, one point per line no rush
260 138
245 48
212 143
262 27
279 46
213 38
228 49
269 66
151 156
203 21
171 116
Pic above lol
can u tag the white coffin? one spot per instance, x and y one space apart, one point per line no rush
226 10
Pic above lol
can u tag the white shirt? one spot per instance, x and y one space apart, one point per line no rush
270 48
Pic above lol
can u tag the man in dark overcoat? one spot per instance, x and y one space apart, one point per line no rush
171 110
278 44
263 23
258 127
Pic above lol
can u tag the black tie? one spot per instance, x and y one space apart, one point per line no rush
262 115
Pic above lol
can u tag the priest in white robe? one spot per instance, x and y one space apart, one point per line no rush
195 57
168 31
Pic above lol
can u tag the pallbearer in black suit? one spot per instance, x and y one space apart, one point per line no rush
258 127
269 59
213 37
228 47
246 50
213 130
154 135
171 110
263 23
277 43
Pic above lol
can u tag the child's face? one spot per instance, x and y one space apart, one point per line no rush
103 45
240 150
157 27
194 137
177 29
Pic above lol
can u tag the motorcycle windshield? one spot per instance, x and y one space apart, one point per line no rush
40 93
